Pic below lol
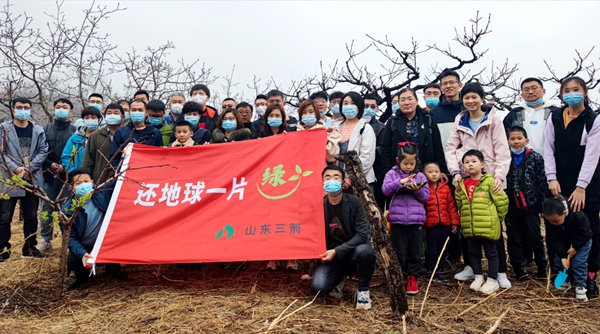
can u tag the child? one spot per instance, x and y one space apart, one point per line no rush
481 213
571 236
407 188
442 219
183 133
527 189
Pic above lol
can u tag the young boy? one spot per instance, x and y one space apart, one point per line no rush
481 214
527 189
74 150
183 133
571 236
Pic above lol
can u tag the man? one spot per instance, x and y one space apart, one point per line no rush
450 104
208 119
191 113
245 111
261 104
320 99
125 105
371 110
97 150
347 232
335 100
276 97
142 95
57 135
24 152
156 118
431 93
176 102
228 104
95 100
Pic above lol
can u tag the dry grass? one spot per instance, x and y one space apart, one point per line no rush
212 300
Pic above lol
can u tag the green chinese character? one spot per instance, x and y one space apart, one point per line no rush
275 178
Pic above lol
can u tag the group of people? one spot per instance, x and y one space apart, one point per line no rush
540 160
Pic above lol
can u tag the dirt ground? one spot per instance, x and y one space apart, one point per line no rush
207 299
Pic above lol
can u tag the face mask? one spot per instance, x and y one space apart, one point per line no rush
335 109
96 105
370 112
309 120
193 120
395 108
517 152
200 99
61 114
274 122
113 119
84 188
23 115
176 108
432 101
573 99
332 187
138 116
229 125
324 113
126 118
260 110
350 111
90 124
536 103
155 121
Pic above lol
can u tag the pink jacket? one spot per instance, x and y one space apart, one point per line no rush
490 138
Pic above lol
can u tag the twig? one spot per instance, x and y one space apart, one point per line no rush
280 314
497 323
279 318
481 302
433 274
404 324
548 279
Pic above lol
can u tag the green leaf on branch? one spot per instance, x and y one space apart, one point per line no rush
294 178
298 169
307 173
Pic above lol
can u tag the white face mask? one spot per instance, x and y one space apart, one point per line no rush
176 108
200 99
260 110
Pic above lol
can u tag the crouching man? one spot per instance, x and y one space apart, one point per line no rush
347 236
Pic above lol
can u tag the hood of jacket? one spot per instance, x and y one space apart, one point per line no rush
319 125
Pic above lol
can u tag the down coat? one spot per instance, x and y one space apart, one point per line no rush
407 207
440 207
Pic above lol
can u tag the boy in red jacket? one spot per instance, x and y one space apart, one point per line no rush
442 219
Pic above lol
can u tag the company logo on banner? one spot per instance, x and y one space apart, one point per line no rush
251 200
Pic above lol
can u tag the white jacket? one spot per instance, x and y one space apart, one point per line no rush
364 145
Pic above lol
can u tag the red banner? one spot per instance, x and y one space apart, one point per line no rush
251 200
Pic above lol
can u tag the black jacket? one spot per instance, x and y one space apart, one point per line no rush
575 231
446 111
242 134
151 137
355 222
200 136
530 178
57 135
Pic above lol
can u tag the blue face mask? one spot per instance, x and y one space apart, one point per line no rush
274 122
536 103
517 152
90 124
23 114
432 101
332 187
193 120
113 119
395 108
138 116
309 120
350 111
155 121
96 105
61 114
229 125
83 189
335 109
370 112
573 99
323 114
126 117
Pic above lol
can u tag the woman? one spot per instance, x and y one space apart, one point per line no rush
414 125
230 128
309 121
274 121
571 156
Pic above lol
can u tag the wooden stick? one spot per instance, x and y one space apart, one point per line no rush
481 302
280 314
433 274
497 323
548 278
279 319
404 324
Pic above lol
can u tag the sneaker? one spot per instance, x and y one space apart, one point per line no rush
428 275
73 284
412 287
440 278
338 291
565 287
490 286
526 263
503 281
292 265
32 253
542 274
580 294
520 274
591 286
272 265
4 255
44 245
465 275
477 283
363 302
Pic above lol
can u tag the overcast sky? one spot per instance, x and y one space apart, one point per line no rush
288 39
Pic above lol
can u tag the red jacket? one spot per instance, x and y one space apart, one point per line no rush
440 207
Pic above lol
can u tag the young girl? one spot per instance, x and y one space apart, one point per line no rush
409 193
481 213
442 219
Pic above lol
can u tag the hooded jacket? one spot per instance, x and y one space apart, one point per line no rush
72 154
166 130
533 121
530 178
57 135
218 135
333 140
575 231
440 207
363 141
407 206
445 114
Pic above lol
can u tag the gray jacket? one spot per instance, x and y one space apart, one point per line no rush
14 157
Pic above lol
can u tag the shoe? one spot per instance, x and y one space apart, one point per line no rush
412 287
292 265
338 291
272 265
490 286
477 283
44 245
4 255
440 278
363 302
520 274
591 286
565 287
503 281
32 253
428 275
580 294
542 274
73 284
465 275
526 263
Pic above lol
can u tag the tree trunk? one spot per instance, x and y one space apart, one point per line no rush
62 264
380 234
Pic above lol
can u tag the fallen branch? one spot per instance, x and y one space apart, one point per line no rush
433 274
481 302
497 323
279 318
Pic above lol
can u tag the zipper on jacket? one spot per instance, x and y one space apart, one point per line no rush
437 199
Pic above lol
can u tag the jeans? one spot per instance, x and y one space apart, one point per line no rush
52 189
491 253
408 244
328 275
592 210
29 206
579 266
521 227
435 237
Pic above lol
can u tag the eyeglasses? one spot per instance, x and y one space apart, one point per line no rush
449 83
531 89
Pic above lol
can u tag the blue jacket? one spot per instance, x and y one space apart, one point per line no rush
72 154
152 137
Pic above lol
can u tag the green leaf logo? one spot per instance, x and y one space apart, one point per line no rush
230 230
274 177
